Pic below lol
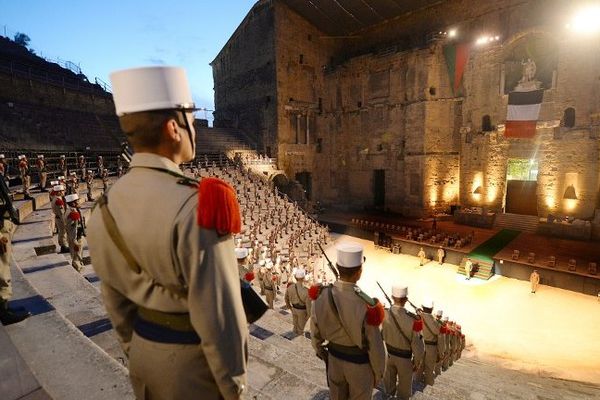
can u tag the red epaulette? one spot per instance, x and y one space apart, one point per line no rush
218 207
315 291
74 216
249 277
22 164
59 202
375 314
418 325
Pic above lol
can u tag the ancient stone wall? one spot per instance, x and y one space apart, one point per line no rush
244 77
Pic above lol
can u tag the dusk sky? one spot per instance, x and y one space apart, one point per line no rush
102 36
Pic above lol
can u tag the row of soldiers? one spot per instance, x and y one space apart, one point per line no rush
364 344
42 169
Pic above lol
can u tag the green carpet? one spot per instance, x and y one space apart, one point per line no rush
493 245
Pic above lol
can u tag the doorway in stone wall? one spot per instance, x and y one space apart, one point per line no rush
521 186
305 179
379 188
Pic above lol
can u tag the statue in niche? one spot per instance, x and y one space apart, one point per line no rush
528 81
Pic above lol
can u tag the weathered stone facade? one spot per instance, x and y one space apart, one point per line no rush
345 109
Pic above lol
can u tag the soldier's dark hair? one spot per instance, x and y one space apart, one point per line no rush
145 128
346 272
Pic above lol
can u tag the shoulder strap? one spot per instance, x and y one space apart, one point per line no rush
117 239
186 180
298 294
335 310
427 326
398 327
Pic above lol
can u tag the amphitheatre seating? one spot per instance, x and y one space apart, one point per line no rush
551 262
572 264
592 268
531 258
516 254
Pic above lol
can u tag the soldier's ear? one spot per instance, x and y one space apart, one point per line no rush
170 130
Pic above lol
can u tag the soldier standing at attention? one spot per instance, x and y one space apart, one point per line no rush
59 209
534 278
269 283
81 165
89 183
297 300
468 268
422 257
170 281
42 171
25 177
405 347
441 254
75 227
104 180
62 165
434 349
442 337
349 320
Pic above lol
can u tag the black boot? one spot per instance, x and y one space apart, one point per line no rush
64 250
9 316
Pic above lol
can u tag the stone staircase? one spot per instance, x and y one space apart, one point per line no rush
71 348
484 270
523 223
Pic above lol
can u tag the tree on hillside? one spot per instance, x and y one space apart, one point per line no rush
22 39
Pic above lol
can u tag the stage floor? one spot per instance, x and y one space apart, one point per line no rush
554 332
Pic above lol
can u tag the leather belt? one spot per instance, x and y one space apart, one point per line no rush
299 306
399 352
352 354
431 343
162 327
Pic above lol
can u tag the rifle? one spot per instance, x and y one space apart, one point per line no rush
8 206
126 152
333 269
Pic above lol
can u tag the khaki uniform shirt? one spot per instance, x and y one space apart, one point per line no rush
392 337
157 219
431 332
297 294
355 332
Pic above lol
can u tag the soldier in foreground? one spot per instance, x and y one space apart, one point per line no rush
349 320
405 347
297 300
169 279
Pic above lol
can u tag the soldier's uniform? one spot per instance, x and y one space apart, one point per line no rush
468 268
450 343
3 166
89 183
81 165
441 254
297 300
7 229
443 339
104 180
349 320
175 301
421 256
405 349
269 280
62 165
534 279
25 177
42 171
434 348
75 227
59 209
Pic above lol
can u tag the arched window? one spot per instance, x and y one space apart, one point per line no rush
486 124
568 119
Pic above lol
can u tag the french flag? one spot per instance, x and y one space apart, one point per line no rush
523 113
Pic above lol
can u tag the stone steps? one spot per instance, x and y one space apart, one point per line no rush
524 223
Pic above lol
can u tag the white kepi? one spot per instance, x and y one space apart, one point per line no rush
399 291
72 197
350 255
151 88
